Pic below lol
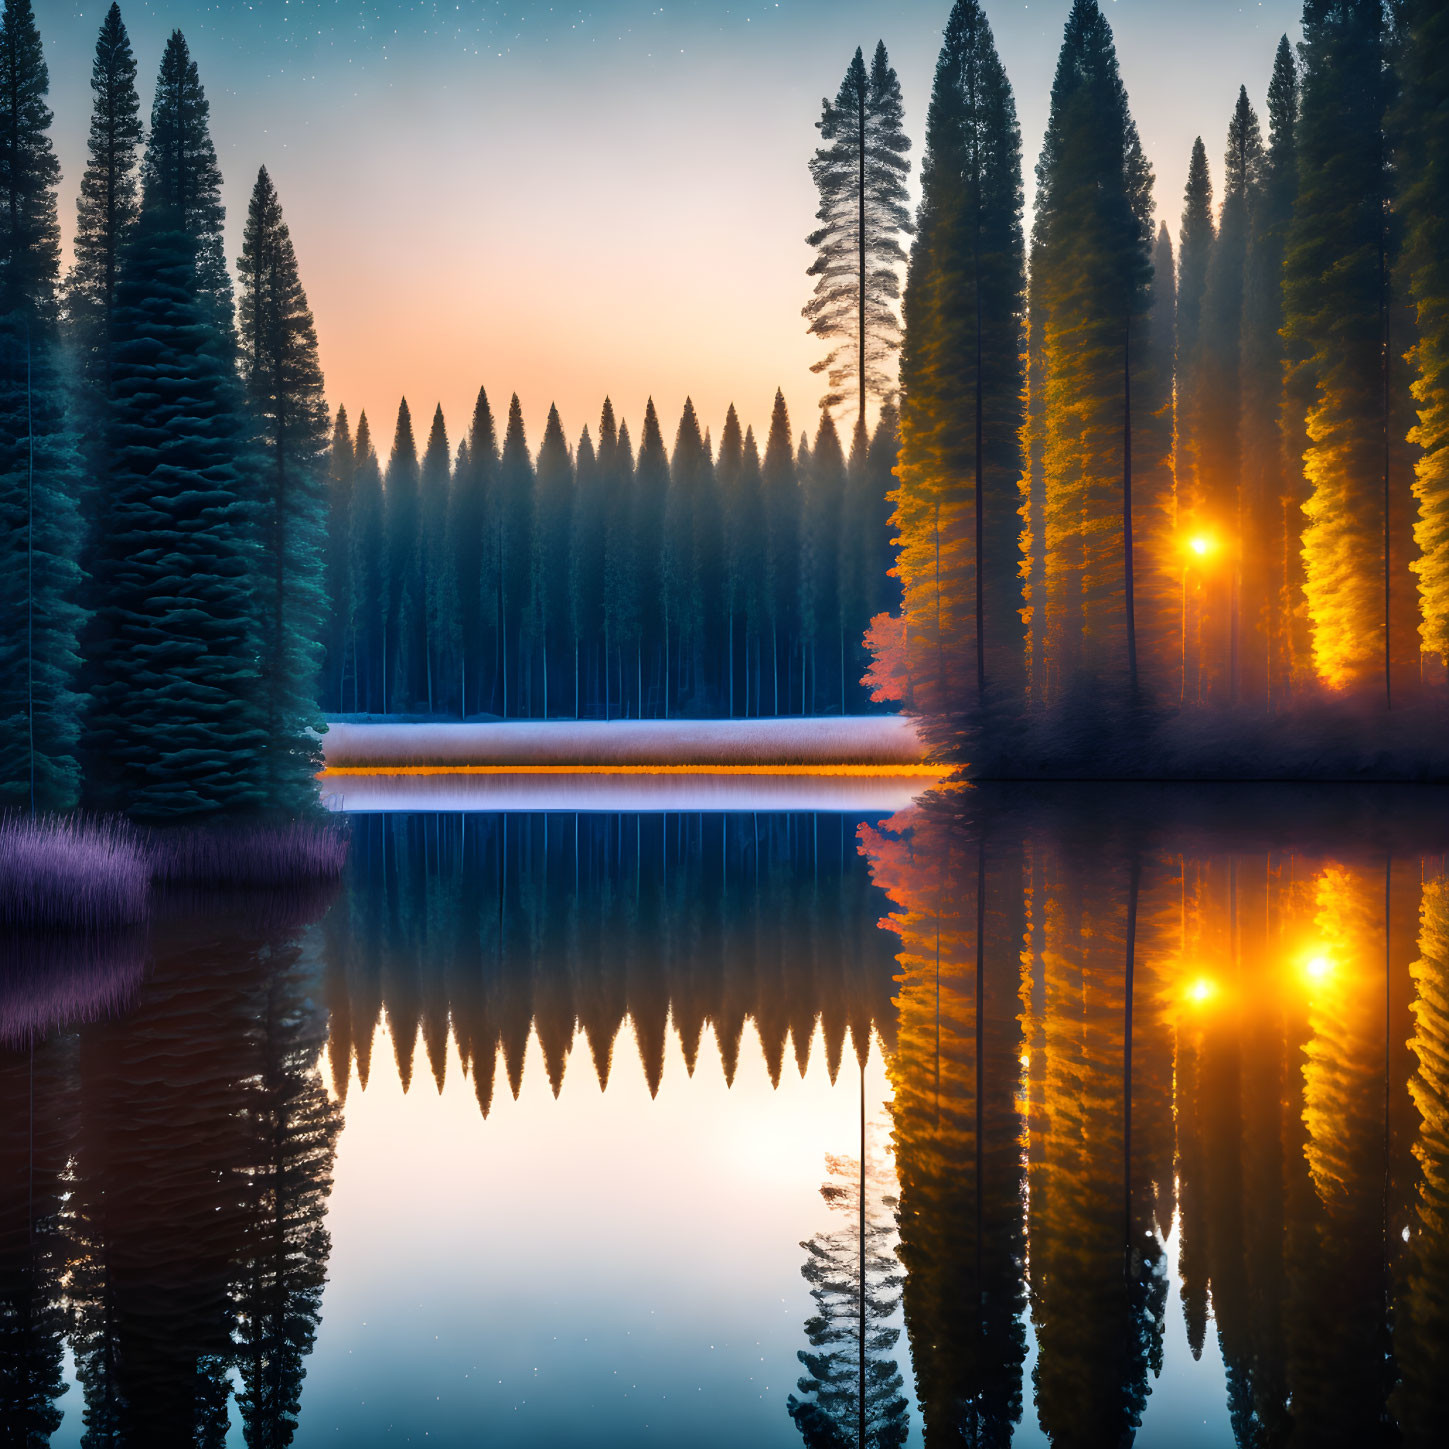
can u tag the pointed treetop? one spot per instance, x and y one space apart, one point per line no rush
362 444
1197 196
1243 158
1283 99
435 458
752 449
608 430
482 442
404 449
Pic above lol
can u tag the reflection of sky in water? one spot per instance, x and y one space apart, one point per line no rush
602 1268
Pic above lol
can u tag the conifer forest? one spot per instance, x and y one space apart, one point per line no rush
724 724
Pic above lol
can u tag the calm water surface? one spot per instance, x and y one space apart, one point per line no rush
1131 1109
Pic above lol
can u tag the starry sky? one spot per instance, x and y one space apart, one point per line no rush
568 200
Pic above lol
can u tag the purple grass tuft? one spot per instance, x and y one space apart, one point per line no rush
71 873
292 853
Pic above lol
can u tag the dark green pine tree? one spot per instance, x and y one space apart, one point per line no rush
1348 328
515 554
860 174
367 555
109 199
780 489
404 628
39 469
440 594
473 531
340 665
179 171
1220 443
1194 251
743 522
552 535
1272 460
175 725
1425 180
961 370
616 484
283 380
588 530
651 503
692 584
820 541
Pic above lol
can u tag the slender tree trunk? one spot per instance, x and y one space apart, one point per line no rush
1127 566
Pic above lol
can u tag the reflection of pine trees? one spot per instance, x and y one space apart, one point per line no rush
195 1137
294 1131
1098 1289
35 1128
851 1392
497 927
1422 1312
955 1074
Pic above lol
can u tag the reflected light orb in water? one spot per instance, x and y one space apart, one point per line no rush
1318 968
1201 990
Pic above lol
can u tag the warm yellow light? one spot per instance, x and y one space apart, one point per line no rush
1318 968
1201 989
1201 546
1024 1059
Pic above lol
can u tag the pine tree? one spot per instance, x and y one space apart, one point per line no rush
588 529
651 503
859 172
1220 446
692 560
1339 307
39 469
822 622
404 627
179 171
515 554
616 482
1194 252
283 381
367 555
961 379
175 725
340 668
473 529
440 626
553 522
1091 271
1272 460
1159 545
109 198
1426 185
29 171
781 492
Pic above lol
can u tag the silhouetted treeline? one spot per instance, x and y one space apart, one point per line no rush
590 580
1207 487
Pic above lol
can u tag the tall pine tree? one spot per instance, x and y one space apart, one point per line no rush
1272 462
179 171
109 199
1092 268
859 172
1339 307
175 725
473 532
440 626
283 381
1426 205
553 523
405 637
367 554
39 469
341 664
961 382
781 492
515 555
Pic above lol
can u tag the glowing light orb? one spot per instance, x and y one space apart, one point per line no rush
1201 546
1201 990
1318 968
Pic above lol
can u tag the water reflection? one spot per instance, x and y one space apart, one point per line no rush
1164 1068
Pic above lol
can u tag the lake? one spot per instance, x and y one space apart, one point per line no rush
1082 1115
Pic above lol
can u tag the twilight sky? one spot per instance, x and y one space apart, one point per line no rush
568 200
